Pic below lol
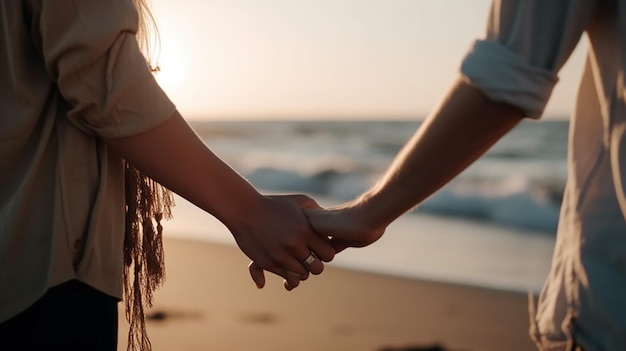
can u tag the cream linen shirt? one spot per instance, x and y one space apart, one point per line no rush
70 73
527 42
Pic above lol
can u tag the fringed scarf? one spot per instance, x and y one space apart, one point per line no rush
147 202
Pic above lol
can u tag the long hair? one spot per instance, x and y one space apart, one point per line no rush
147 203
148 35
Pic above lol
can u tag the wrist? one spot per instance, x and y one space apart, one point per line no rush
365 211
241 209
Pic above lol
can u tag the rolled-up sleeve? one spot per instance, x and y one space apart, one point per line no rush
527 43
91 52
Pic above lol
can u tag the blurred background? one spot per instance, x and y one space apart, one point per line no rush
317 97
324 59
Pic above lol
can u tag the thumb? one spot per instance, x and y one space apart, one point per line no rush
306 202
302 201
317 219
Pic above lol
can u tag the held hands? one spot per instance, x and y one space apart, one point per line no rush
341 226
346 225
277 237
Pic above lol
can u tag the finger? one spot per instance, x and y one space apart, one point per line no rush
297 264
292 280
305 276
319 242
322 248
303 201
316 217
277 268
257 275
292 264
286 260
338 245
313 264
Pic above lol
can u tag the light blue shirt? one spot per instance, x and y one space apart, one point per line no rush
527 43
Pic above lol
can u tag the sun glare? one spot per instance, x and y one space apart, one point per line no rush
172 73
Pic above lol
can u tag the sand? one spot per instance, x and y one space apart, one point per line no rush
210 303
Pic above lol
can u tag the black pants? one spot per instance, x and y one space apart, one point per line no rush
71 316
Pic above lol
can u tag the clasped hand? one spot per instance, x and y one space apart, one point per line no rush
304 237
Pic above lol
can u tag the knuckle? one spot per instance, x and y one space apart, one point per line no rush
327 255
281 259
260 264
293 243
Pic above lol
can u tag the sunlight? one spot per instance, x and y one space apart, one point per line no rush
324 59
172 64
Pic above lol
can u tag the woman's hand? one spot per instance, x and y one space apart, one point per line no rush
343 225
278 238
270 230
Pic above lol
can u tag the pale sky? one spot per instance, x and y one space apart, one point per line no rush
322 58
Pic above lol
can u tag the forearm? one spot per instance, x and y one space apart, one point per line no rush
459 131
174 155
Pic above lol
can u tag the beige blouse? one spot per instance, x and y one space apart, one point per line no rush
70 73
528 41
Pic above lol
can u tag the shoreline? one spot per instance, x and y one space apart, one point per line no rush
419 246
210 303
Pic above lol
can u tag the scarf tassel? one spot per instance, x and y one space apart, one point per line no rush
147 203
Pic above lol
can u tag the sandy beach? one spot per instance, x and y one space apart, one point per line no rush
210 303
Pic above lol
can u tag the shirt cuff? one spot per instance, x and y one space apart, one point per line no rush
505 76
142 107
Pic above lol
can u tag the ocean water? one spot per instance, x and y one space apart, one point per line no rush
492 226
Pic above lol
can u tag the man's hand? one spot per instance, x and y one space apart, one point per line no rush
346 225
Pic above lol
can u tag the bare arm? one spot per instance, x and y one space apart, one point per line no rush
461 129
271 231
174 155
